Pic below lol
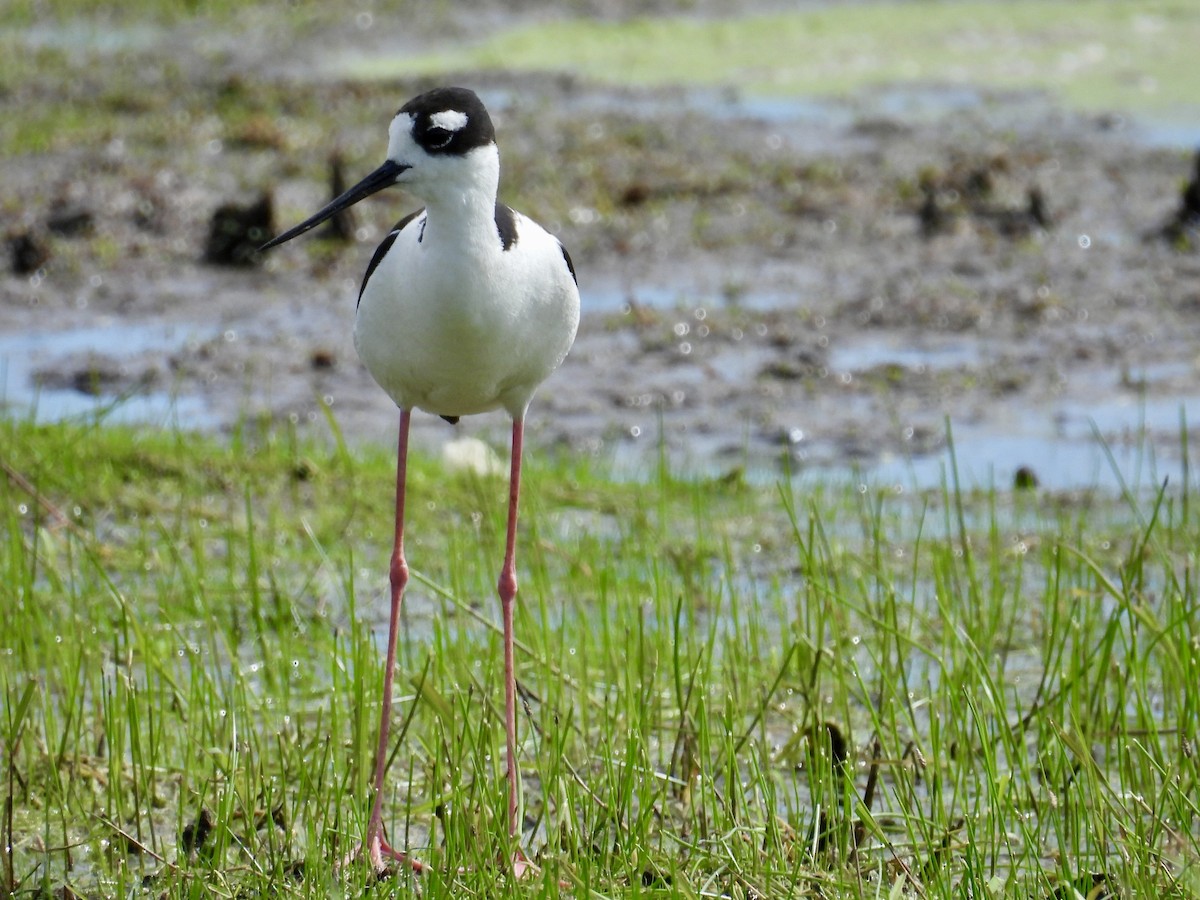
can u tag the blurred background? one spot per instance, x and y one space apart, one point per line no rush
812 238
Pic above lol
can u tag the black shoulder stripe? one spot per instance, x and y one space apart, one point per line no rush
506 226
570 265
384 247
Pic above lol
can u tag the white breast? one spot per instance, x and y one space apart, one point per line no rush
459 327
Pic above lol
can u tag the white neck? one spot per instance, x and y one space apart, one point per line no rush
459 190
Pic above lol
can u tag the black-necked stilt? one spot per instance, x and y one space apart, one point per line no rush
467 306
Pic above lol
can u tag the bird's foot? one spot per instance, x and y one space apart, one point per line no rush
379 853
523 867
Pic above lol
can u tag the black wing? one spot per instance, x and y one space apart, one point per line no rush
506 225
383 248
570 265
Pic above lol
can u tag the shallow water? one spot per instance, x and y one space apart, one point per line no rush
25 356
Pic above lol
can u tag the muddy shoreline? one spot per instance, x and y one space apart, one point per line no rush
761 281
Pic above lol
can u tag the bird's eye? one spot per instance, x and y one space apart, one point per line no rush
436 138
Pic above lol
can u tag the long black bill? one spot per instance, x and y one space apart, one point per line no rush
384 176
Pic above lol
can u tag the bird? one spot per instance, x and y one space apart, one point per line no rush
467 306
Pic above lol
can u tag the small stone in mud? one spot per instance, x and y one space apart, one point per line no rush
786 370
1190 207
92 381
196 834
1037 207
806 363
1019 223
635 194
830 743
322 359
237 231
70 220
933 218
27 252
978 184
97 375
1183 226
1025 479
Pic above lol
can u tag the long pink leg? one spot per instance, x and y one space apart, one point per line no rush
521 866
508 592
377 846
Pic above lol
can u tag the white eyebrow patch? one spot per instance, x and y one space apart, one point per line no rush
449 119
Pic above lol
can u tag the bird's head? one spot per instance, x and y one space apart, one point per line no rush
441 144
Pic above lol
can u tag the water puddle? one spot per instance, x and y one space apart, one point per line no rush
612 296
82 35
919 353
26 359
987 456
821 125
1167 134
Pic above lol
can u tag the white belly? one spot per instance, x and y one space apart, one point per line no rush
456 334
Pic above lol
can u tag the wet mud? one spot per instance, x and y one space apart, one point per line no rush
767 286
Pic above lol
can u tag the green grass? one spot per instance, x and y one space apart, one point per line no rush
1094 53
730 690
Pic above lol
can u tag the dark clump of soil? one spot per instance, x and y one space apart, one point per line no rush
27 251
340 226
1184 226
238 230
